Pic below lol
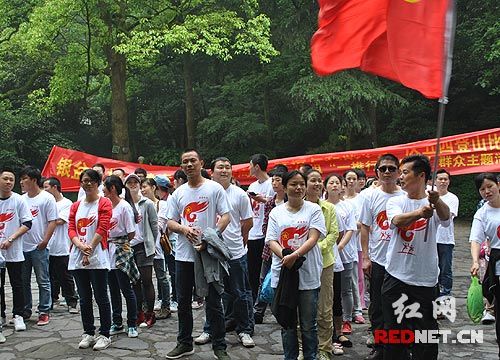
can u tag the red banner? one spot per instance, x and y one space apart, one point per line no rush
460 154
67 165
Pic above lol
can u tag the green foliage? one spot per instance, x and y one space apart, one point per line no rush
463 186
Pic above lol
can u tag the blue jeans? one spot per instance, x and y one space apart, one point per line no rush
184 276
237 298
445 256
308 306
39 261
97 280
118 280
163 285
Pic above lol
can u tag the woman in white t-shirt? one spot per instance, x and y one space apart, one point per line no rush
486 224
88 227
162 305
123 268
295 228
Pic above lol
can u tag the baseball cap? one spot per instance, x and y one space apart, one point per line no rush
162 181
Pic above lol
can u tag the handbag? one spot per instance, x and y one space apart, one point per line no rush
165 243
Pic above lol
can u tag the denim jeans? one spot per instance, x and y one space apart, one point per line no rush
96 280
237 298
163 285
308 306
445 256
39 261
118 280
347 291
184 276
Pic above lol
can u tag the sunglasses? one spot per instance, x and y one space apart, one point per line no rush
385 168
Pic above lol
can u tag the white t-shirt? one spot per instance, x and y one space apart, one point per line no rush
13 212
346 217
409 258
122 223
43 209
486 224
240 210
357 204
446 235
283 225
86 219
265 189
196 207
162 223
60 241
373 214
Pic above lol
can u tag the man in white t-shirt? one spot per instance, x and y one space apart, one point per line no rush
36 254
15 221
446 235
411 260
199 204
237 298
375 234
59 248
260 191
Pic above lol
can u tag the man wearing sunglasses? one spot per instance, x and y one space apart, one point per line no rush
373 216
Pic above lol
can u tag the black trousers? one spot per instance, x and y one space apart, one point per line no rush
392 290
60 276
254 257
3 305
15 270
375 310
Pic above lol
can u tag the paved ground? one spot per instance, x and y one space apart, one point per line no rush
59 339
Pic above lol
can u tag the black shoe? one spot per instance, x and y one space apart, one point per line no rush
259 319
375 354
180 351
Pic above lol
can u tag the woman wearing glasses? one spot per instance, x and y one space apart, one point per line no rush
89 259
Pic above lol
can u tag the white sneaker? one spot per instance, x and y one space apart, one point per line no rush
487 318
2 338
102 342
19 324
246 340
204 338
157 305
143 325
87 341
173 306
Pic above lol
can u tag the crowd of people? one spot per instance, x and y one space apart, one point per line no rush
331 245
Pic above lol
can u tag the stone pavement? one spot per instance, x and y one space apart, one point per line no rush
59 339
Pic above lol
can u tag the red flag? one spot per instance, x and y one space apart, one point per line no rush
404 40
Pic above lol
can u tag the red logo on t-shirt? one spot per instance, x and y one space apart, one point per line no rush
191 209
35 212
498 231
408 232
84 223
255 207
287 236
113 223
5 217
382 220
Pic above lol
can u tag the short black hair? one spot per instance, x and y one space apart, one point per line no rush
192 150
360 172
220 158
388 157
277 173
120 169
306 167
205 174
290 175
53 181
330 176
421 164
261 160
93 175
349 171
280 167
443 171
141 171
479 179
312 170
7 169
180 174
31 172
101 166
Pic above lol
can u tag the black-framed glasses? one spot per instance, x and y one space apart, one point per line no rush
87 182
387 168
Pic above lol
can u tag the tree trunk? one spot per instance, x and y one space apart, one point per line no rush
189 99
119 116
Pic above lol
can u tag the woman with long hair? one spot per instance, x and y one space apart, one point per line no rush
123 268
293 232
486 224
341 296
148 189
88 227
143 244
314 190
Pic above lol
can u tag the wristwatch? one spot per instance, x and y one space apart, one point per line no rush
11 240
